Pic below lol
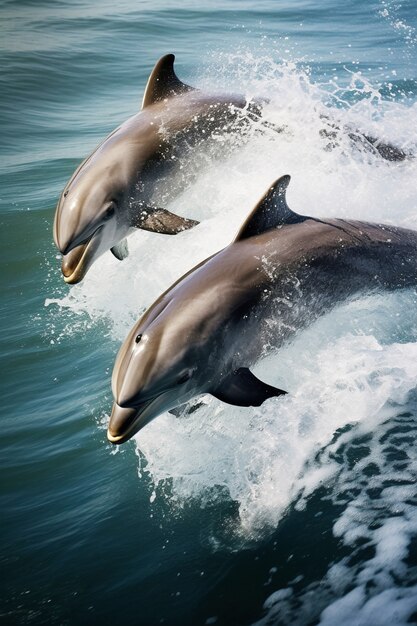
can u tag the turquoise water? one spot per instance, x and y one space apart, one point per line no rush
302 511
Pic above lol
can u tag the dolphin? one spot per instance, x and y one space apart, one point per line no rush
113 190
116 188
282 272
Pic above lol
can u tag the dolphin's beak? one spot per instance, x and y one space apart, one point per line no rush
76 262
126 422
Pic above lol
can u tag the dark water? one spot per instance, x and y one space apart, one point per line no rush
295 513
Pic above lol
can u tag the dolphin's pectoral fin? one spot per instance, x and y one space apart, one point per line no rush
242 388
120 250
164 222
272 211
163 82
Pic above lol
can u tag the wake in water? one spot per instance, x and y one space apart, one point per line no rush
369 474
354 369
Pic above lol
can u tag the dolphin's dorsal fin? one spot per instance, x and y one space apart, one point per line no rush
271 211
163 82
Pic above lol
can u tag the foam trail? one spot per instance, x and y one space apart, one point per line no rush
374 470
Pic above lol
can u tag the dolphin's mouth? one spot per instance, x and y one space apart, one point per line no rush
126 422
76 263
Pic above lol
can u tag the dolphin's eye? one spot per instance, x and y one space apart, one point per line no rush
65 194
110 211
183 379
138 338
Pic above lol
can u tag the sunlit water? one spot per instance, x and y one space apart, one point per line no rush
301 511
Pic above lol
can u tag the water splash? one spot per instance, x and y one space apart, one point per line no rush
390 11
355 368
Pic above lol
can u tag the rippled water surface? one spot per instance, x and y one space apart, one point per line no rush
301 511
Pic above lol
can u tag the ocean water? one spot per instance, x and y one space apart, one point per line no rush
302 511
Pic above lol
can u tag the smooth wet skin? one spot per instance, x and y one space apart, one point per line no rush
205 331
115 189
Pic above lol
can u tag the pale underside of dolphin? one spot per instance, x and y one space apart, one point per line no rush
113 191
282 272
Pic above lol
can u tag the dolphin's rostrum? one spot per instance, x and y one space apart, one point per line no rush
114 189
281 272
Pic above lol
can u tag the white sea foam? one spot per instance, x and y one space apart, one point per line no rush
356 366
373 471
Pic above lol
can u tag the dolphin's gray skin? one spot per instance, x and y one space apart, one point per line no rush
282 271
113 190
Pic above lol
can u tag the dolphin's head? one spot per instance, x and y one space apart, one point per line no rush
87 221
156 370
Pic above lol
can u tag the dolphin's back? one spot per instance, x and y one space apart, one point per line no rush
370 255
285 278
360 255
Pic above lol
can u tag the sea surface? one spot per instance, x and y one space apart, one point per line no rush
302 511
